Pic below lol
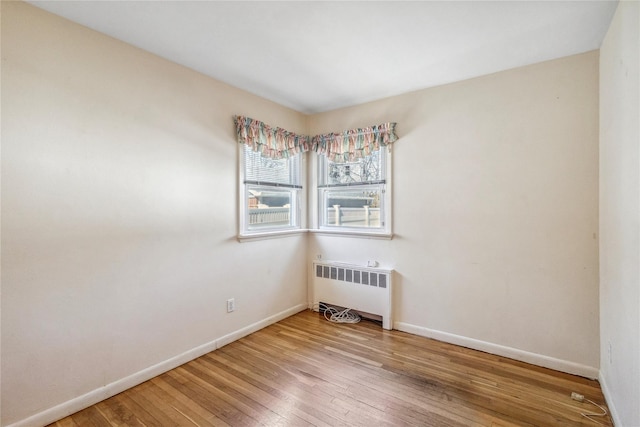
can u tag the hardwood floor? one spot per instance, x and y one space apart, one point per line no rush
306 371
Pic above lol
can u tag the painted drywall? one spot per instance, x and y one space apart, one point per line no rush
119 198
495 211
119 213
620 214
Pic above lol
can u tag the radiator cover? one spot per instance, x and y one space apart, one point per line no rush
364 289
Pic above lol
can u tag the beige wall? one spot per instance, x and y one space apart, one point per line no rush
495 211
119 213
119 206
620 214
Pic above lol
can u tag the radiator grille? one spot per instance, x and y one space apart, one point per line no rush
352 275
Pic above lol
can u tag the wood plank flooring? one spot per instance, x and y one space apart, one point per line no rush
305 371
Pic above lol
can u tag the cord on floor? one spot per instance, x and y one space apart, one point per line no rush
588 415
332 314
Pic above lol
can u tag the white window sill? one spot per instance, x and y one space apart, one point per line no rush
338 233
270 234
353 233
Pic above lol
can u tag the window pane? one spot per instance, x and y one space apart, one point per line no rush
270 207
353 208
362 171
352 194
265 170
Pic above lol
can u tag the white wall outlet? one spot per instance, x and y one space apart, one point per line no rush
231 305
319 257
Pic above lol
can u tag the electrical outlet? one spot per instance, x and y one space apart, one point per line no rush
231 305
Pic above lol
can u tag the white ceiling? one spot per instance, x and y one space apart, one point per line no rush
316 56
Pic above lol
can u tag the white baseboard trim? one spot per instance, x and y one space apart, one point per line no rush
79 403
609 399
500 350
234 336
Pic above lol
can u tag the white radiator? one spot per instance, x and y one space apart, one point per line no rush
363 289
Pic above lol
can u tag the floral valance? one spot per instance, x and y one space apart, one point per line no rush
353 144
345 146
272 142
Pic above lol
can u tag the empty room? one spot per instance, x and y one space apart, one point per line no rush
320 213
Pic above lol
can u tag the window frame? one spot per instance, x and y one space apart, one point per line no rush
298 202
316 203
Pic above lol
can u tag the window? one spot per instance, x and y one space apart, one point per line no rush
349 196
352 196
271 192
